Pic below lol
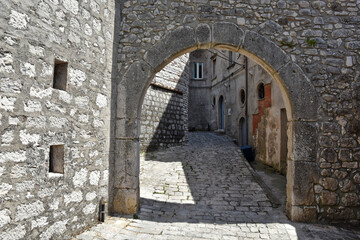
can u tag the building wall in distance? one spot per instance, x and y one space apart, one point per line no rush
227 81
164 112
199 91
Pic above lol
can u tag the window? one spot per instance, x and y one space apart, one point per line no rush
242 96
198 71
56 160
214 67
60 75
261 91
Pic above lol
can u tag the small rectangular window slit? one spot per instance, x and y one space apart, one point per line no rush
60 75
56 160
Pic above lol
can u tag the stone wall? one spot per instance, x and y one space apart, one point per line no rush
34 202
164 113
319 43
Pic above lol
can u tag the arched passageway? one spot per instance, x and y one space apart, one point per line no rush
298 93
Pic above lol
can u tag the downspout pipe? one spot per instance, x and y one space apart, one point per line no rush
246 98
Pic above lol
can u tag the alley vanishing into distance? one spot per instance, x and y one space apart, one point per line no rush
206 190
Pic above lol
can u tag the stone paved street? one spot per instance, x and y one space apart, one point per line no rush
205 190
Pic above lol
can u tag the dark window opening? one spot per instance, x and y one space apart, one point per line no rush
60 75
56 160
242 96
261 91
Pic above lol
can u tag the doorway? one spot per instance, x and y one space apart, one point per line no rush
242 132
221 113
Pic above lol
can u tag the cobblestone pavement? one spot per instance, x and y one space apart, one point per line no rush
205 190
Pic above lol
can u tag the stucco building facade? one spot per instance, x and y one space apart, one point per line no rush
238 97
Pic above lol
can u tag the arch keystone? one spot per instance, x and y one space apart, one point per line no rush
225 34
203 35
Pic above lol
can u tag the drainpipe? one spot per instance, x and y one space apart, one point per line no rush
246 98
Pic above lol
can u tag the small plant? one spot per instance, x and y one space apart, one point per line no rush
311 42
191 168
135 216
287 44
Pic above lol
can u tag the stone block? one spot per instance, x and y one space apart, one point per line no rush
329 155
330 184
303 97
347 186
126 165
340 174
203 34
303 214
265 49
227 34
180 40
305 176
126 201
350 200
357 178
305 141
337 213
345 155
131 90
127 128
328 198
349 165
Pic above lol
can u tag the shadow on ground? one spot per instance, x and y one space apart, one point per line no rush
208 182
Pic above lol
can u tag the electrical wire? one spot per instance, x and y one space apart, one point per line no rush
225 57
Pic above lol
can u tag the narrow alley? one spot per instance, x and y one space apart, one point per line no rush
206 190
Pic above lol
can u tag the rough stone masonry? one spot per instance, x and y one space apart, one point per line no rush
36 203
310 47
112 49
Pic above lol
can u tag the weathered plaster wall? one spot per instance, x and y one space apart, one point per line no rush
266 137
228 81
326 142
164 113
36 204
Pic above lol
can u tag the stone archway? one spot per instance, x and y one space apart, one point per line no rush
299 95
